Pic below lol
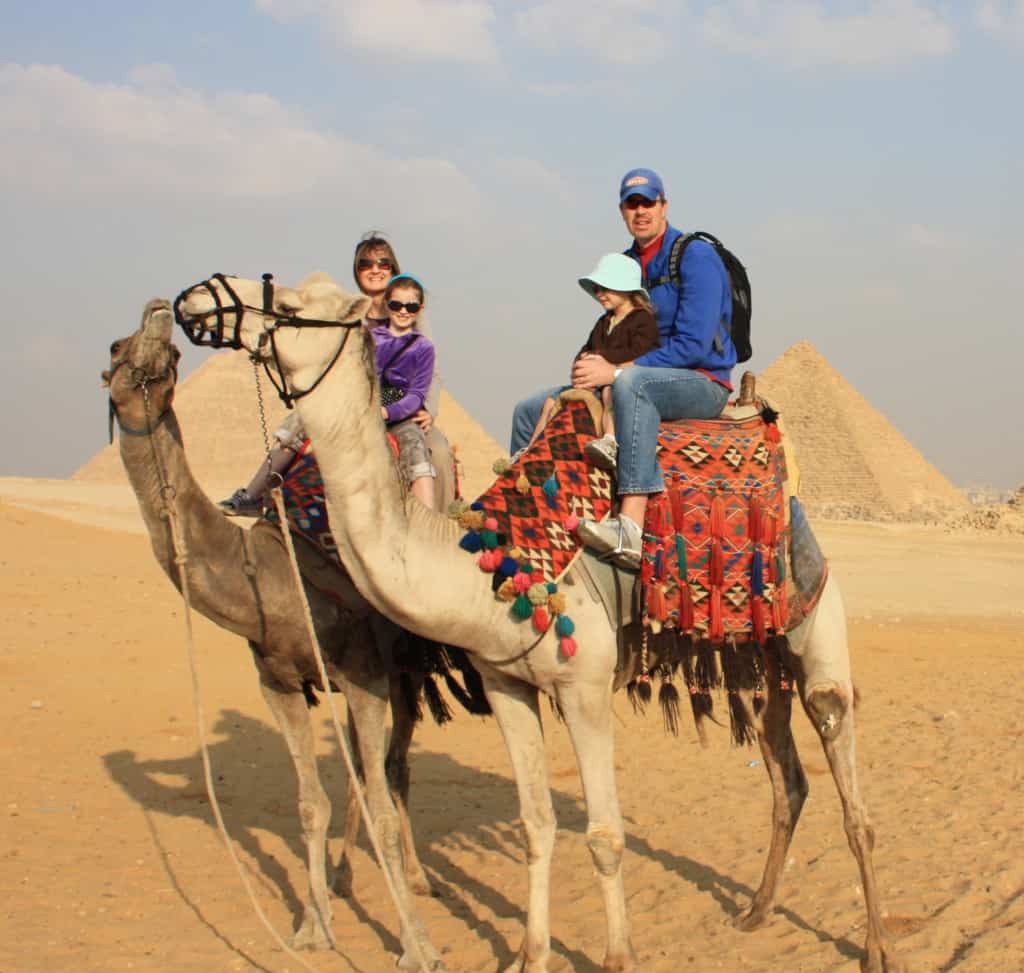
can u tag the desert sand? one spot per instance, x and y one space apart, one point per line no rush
110 860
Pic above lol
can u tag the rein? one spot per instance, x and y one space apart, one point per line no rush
226 333
142 381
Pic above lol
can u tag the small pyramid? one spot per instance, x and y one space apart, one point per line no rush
217 410
853 462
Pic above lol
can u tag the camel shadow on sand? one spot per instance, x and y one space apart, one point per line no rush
256 787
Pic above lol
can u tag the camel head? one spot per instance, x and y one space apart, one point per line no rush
296 331
143 370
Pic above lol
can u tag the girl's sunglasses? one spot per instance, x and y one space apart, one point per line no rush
366 264
411 306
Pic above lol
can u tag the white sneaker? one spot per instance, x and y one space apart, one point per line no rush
617 540
602 453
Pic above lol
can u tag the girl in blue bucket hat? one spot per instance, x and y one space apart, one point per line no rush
626 330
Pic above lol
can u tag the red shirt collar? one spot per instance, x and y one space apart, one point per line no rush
646 253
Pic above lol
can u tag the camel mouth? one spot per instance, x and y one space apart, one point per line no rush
210 313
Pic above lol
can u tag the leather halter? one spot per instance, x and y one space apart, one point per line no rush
141 380
227 331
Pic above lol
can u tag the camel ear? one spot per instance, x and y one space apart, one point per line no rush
353 308
287 301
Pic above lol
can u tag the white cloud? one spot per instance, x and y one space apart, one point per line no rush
1003 19
403 30
803 33
68 137
617 31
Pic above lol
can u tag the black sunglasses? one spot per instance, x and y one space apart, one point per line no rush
640 202
366 264
411 306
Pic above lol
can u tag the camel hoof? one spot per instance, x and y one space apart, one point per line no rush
749 920
312 935
411 964
879 961
420 885
523 964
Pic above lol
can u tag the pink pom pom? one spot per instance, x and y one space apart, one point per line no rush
490 524
571 523
487 562
568 646
522 582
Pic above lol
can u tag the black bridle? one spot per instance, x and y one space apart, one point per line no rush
227 332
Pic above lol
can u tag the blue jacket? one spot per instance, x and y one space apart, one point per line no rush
689 327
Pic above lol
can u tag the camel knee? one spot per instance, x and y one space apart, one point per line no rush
315 814
606 847
827 706
540 838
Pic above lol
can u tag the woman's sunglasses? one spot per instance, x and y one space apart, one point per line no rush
366 264
412 307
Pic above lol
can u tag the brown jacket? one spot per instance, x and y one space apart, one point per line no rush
633 336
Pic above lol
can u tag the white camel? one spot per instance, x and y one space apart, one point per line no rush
407 562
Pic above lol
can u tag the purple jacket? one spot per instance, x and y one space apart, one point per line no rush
412 369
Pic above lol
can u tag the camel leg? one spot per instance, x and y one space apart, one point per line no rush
587 711
829 704
292 717
789 789
403 725
516 709
342 883
367 701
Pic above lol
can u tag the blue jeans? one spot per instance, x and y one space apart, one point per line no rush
643 397
527 414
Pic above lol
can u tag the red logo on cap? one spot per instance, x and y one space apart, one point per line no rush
637 181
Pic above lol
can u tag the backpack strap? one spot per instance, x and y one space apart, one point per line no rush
675 272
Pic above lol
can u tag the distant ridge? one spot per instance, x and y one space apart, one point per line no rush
853 461
216 408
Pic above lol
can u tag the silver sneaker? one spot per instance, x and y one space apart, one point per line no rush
617 540
602 453
241 504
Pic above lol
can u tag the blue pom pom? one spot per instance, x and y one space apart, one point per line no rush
509 566
757 573
552 587
476 505
471 542
564 626
550 487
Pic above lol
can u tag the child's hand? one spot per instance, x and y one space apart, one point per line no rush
384 413
423 419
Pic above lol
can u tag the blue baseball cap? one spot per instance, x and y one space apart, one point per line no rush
641 182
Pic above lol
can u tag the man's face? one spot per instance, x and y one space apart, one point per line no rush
645 219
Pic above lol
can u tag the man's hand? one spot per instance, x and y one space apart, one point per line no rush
424 420
591 372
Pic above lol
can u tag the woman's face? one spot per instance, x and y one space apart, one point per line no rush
373 271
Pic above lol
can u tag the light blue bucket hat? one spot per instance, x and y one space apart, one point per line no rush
615 272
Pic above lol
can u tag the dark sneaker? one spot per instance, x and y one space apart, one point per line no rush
602 453
616 540
240 504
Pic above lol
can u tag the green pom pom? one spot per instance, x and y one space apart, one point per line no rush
500 465
521 607
489 538
550 486
564 626
538 594
457 508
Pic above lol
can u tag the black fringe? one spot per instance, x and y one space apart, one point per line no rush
472 697
633 692
706 669
703 707
742 732
644 691
668 697
438 707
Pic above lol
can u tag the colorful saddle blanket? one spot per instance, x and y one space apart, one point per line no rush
305 505
714 554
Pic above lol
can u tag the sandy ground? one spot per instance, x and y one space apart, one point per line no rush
109 859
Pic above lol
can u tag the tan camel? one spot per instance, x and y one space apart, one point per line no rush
407 562
242 580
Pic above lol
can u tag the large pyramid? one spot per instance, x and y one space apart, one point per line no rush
216 407
853 462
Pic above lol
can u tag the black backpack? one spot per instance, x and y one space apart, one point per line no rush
738 279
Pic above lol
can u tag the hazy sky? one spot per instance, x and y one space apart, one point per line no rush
863 157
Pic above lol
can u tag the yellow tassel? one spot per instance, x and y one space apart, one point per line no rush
523 484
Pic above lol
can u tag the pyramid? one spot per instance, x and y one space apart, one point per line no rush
853 462
217 410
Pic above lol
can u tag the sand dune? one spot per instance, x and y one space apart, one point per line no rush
111 861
